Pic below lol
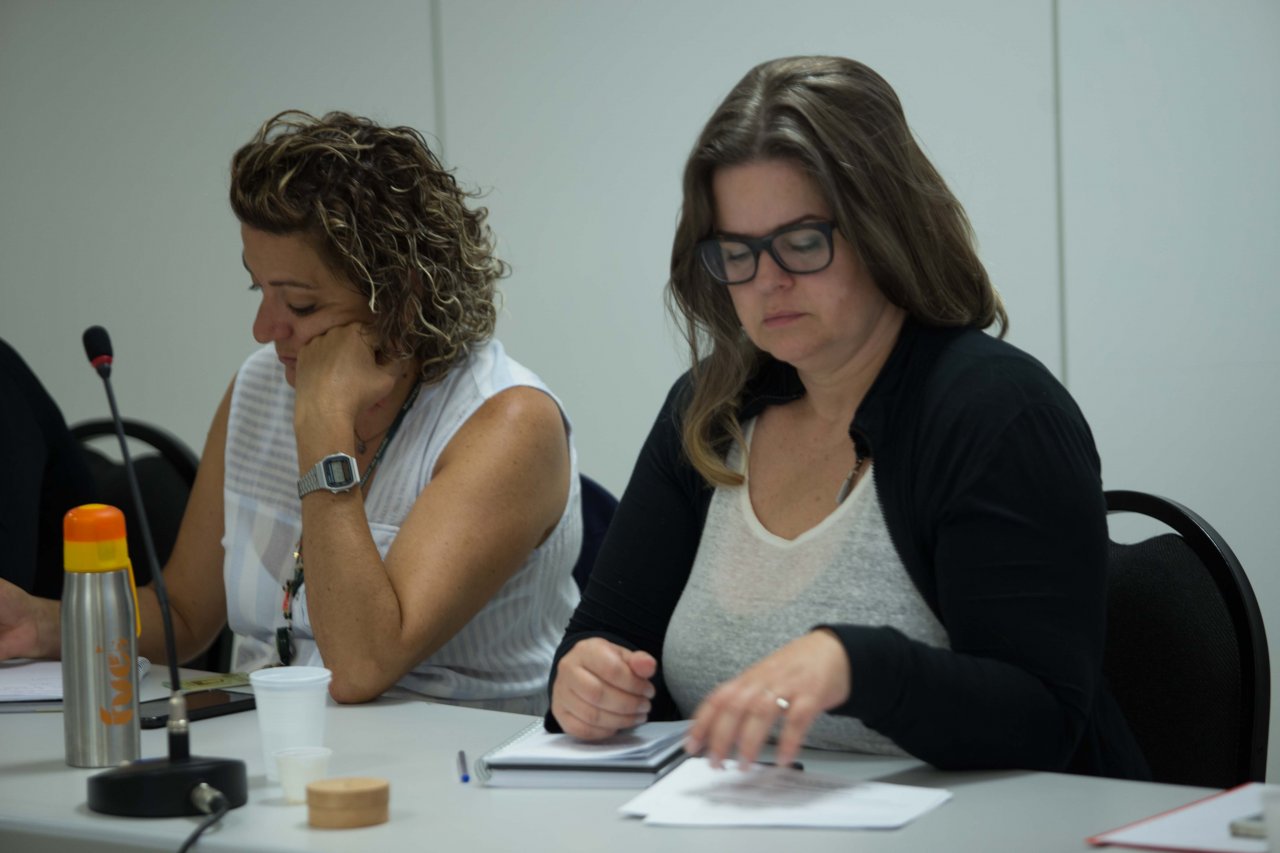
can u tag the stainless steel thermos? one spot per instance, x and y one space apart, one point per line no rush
100 627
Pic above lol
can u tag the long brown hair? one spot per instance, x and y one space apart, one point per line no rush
843 126
386 215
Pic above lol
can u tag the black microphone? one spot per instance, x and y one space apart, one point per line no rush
97 345
177 785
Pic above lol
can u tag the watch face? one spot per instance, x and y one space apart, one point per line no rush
338 472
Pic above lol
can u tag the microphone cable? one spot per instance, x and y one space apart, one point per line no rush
209 800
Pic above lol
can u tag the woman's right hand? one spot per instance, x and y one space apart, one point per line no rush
602 688
29 626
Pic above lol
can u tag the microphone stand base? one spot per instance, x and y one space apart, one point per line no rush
161 787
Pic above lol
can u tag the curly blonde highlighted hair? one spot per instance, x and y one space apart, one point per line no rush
387 216
843 125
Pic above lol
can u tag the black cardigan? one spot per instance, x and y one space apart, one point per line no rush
990 486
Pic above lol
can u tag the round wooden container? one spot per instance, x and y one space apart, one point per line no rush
348 802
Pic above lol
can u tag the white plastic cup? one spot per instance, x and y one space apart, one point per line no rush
291 709
300 766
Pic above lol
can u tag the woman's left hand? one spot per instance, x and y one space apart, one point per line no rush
339 375
796 683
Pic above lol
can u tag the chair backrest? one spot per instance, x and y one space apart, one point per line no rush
165 479
1186 654
598 505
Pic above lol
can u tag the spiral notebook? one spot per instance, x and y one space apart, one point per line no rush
536 758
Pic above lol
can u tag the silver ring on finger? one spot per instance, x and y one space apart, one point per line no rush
782 703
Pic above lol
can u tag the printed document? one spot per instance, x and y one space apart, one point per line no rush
696 794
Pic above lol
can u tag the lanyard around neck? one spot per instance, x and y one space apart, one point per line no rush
391 433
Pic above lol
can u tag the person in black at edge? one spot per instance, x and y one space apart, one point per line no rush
46 475
858 517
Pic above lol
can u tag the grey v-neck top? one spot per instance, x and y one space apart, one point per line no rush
751 591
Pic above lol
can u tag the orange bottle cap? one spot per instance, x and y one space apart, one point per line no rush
93 523
93 540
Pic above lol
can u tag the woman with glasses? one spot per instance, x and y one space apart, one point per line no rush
858 521
383 490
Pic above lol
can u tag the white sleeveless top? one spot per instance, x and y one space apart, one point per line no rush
501 658
751 591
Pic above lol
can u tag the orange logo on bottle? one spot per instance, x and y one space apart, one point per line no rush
120 666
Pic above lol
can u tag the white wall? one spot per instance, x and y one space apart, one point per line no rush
580 115
1171 200
119 118
119 121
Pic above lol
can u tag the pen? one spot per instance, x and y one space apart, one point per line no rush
462 767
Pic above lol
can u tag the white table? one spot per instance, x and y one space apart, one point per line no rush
415 744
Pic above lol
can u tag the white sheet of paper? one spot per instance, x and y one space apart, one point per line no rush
30 680
1204 825
39 680
696 794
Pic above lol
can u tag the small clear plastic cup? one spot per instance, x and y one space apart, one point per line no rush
299 766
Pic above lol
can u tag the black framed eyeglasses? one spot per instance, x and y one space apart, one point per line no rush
805 247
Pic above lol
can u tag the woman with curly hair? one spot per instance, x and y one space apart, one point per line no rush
858 521
383 490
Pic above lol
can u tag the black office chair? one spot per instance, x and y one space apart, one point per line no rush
598 506
166 473
1186 653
